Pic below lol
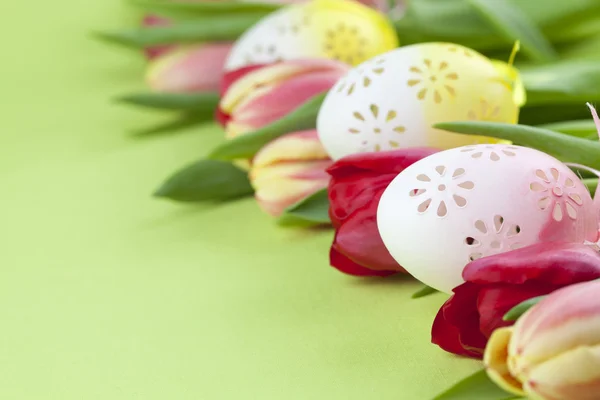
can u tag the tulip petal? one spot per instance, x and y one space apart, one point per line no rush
565 320
281 185
273 101
347 266
189 69
543 262
390 162
496 365
571 375
242 83
296 146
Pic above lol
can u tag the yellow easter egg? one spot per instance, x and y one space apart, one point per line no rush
343 30
393 100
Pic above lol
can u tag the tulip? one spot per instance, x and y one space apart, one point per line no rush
553 351
289 169
258 95
195 68
495 284
357 183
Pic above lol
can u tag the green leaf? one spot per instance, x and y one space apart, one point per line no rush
206 180
514 313
181 122
591 184
425 291
312 210
514 25
244 146
199 9
564 82
583 128
477 386
564 147
173 101
210 28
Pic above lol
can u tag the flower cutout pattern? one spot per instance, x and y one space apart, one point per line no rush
345 43
363 77
433 80
294 26
484 111
439 189
557 193
263 54
379 127
494 237
460 50
494 153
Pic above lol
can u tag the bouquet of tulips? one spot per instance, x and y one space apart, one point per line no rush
446 139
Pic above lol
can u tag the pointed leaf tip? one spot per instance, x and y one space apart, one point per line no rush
425 291
595 117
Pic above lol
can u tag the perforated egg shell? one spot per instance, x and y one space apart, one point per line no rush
470 202
392 100
338 29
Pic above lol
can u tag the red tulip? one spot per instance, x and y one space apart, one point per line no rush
495 284
357 183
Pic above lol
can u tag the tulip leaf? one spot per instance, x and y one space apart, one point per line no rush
563 82
513 24
302 118
424 291
206 180
477 386
181 122
210 28
514 313
199 9
583 128
564 147
312 210
173 101
591 184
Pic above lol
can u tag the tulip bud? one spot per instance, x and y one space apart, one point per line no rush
553 351
257 96
289 169
197 68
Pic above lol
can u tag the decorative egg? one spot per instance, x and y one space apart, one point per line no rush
343 30
462 204
392 100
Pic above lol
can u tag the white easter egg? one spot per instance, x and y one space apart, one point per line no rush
470 202
392 100
337 29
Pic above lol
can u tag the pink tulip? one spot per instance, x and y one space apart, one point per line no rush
553 351
194 68
289 169
259 95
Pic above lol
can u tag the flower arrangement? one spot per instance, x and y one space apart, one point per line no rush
398 125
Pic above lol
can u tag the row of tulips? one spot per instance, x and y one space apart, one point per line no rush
286 163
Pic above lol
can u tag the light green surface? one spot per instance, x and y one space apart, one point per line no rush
108 294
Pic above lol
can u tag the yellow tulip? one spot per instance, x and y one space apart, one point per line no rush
553 351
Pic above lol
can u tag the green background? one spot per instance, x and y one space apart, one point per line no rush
106 293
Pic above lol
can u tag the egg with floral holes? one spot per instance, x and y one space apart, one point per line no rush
392 100
462 204
337 29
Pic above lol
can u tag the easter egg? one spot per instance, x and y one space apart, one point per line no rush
336 29
392 100
462 204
